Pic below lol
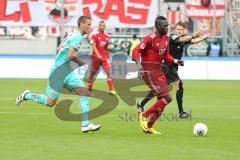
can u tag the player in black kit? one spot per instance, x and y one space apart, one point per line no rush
176 44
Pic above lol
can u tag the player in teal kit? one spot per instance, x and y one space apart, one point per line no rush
62 75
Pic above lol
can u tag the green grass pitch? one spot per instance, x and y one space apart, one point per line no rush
32 131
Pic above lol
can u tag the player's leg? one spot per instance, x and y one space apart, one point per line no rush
84 106
158 85
173 78
155 111
179 94
95 64
150 95
141 104
53 90
73 82
49 99
179 97
107 68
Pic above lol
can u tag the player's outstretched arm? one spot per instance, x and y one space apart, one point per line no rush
189 38
72 55
185 39
200 39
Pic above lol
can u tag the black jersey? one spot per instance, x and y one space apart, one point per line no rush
175 47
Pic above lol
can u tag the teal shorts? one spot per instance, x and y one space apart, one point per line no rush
71 82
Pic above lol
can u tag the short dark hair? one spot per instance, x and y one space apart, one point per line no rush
82 19
101 22
158 20
180 24
134 36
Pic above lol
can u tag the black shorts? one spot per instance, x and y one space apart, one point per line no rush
171 73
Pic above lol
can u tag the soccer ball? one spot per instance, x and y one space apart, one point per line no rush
200 129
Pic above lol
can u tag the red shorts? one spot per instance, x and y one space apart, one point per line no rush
156 81
96 63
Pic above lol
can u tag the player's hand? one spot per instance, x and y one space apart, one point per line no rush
197 34
206 35
180 62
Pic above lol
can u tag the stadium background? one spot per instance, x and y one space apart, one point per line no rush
28 28
29 34
28 41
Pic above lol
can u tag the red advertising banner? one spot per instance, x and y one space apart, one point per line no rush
116 13
204 8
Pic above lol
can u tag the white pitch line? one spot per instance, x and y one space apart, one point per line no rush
233 117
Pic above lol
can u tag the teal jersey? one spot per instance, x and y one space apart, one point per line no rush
61 74
72 40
